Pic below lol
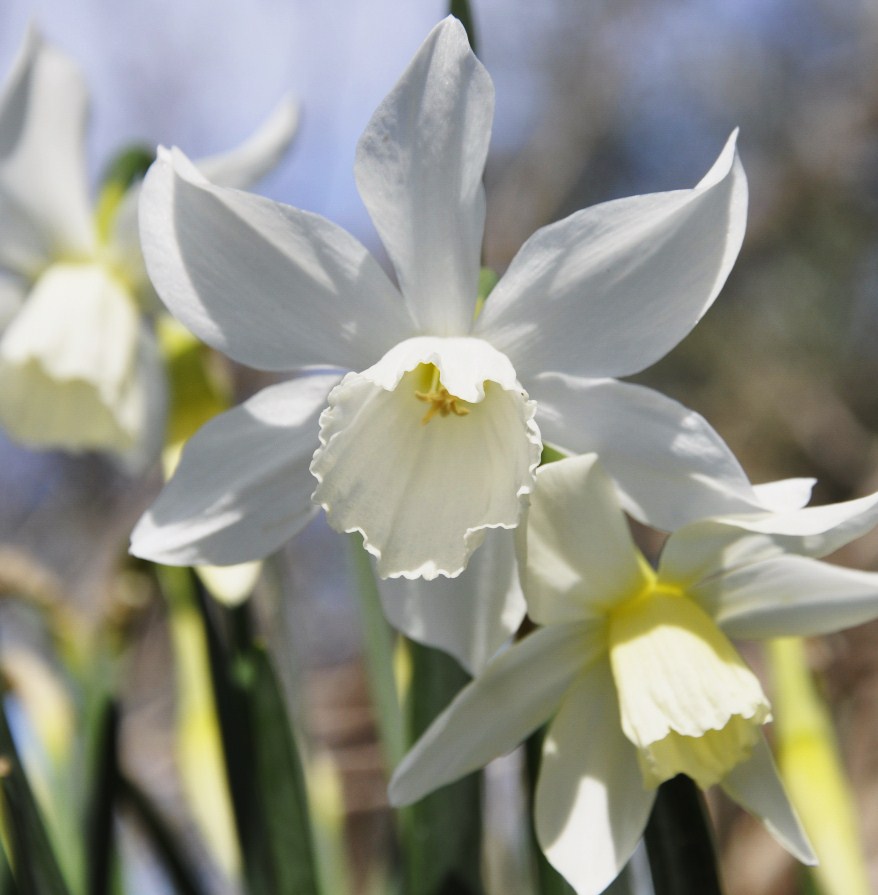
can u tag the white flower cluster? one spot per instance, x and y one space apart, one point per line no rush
418 417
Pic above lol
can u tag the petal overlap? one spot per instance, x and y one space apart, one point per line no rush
242 487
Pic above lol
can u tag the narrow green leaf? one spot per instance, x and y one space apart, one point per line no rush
7 883
100 840
281 783
443 832
679 842
461 9
160 837
35 866
266 782
181 585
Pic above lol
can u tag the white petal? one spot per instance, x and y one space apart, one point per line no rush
580 558
789 595
240 168
44 207
422 489
670 466
242 487
696 552
244 165
69 363
755 785
786 494
419 170
591 805
814 531
611 289
515 693
470 616
273 287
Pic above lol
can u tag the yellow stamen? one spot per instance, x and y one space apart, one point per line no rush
441 401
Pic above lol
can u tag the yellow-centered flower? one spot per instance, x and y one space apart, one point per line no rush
634 670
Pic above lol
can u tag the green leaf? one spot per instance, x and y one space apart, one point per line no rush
281 782
7 883
36 868
443 832
105 774
264 771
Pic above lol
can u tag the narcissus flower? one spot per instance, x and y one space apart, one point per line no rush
79 367
435 436
634 670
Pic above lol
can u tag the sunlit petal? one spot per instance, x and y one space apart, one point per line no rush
273 287
419 171
620 284
591 805
580 558
242 487
669 464
515 693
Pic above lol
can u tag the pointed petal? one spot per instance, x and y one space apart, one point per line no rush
620 284
242 487
786 494
419 170
580 558
670 466
244 165
814 531
698 551
515 693
421 487
755 785
44 206
789 595
239 168
591 805
470 616
271 286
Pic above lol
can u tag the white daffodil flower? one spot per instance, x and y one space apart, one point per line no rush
634 670
79 367
435 436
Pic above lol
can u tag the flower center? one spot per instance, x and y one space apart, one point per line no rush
435 394
687 699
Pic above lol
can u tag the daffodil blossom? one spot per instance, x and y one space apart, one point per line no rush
79 367
434 435
634 669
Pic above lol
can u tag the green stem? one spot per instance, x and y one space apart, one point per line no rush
679 842
443 832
